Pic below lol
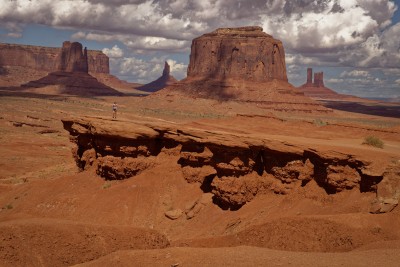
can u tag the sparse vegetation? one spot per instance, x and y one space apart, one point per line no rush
106 185
319 122
373 141
8 207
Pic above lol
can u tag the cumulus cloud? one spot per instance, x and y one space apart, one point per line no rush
335 80
355 73
114 52
303 25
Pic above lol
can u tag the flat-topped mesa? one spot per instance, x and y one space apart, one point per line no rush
47 59
245 53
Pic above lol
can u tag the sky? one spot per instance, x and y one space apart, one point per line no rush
356 43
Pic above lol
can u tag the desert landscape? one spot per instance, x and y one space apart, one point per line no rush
231 166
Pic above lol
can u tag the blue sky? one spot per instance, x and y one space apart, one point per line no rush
356 43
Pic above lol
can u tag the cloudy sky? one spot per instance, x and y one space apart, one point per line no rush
356 43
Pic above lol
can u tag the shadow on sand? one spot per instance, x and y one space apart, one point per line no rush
378 109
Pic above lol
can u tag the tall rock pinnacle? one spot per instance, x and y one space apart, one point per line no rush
165 80
167 69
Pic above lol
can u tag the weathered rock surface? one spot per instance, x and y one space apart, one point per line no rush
233 167
72 58
245 53
317 88
241 64
47 58
71 77
165 80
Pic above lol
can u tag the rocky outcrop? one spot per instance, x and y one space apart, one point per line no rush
48 58
72 58
241 64
71 77
165 80
245 53
235 168
316 88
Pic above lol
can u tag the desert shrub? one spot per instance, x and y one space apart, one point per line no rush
373 141
106 185
8 207
319 123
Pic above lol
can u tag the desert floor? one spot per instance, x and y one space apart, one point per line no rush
52 214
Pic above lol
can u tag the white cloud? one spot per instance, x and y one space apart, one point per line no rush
14 34
335 80
316 27
178 69
114 52
303 25
355 73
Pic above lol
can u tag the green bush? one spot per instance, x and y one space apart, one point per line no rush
320 123
106 185
373 141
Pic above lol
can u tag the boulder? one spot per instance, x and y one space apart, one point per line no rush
173 214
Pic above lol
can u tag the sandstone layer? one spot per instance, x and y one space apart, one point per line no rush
316 88
245 53
46 58
233 167
241 64
71 77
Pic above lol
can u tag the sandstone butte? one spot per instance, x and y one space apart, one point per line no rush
242 64
317 89
69 73
165 80
66 70
49 58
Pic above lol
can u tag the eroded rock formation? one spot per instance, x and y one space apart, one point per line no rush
72 58
241 64
165 80
234 168
47 58
245 53
316 88
72 75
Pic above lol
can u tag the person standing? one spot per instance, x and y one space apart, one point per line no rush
114 108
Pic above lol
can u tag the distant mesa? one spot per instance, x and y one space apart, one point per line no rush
72 74
48 59
242 64
165 80
67 69
316 88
